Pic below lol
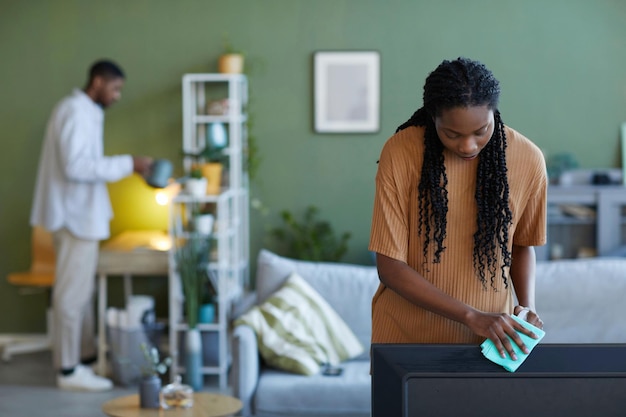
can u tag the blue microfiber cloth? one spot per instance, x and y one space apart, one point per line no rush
490 352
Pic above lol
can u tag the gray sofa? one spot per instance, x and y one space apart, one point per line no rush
579 301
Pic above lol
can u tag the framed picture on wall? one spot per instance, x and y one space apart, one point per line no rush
623 134
346 91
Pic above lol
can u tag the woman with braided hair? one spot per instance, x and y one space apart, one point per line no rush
460 202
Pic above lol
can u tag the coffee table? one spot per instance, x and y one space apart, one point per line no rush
205 404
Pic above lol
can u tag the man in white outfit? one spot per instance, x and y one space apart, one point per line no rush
71 200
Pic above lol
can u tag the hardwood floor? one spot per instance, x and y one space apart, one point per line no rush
28 389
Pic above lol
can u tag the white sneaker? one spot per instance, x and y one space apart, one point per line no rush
83 379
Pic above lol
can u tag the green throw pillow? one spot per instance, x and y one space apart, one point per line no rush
297 330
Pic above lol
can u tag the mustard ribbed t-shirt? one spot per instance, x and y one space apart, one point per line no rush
394 233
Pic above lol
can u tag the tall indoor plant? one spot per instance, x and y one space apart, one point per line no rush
192 260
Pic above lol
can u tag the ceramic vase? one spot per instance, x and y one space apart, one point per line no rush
206 313
193 359
216 136
149 390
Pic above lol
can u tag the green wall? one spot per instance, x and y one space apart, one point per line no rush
560 62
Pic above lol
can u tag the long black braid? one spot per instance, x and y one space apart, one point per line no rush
464 83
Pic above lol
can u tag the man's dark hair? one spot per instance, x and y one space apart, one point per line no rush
465 83
105 68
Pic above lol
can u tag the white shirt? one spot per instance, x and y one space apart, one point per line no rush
71 190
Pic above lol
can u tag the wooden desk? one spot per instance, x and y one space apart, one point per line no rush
140 252
204 405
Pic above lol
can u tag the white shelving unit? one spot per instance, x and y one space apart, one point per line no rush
584 220
229 257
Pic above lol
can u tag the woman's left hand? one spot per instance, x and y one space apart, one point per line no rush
525 313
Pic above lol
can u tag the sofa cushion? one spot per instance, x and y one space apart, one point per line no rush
282 394
297 330
347 288
581 300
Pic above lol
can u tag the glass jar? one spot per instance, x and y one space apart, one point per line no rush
176 395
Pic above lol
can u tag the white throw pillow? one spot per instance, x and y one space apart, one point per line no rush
297 330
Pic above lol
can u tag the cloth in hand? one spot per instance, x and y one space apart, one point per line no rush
490 352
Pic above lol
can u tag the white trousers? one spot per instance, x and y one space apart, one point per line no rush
73 299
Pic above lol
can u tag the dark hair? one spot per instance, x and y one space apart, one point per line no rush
105 68
465 83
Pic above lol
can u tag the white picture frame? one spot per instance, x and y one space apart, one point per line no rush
346 91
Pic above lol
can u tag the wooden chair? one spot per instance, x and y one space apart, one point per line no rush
40 277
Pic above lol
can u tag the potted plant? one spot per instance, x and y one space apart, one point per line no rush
203 222
210 161
311 239
199 286
192 262
150 385
196 184
230 61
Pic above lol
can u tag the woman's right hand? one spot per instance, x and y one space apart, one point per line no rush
500 328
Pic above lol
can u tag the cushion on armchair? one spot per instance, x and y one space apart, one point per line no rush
297 330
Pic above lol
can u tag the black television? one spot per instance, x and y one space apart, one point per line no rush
573 380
